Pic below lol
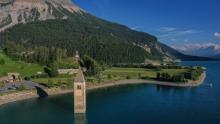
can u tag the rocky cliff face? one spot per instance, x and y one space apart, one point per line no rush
13 12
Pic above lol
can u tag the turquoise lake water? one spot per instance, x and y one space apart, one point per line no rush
135 104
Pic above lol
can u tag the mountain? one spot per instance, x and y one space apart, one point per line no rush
186 57
60 23
205 49
13 12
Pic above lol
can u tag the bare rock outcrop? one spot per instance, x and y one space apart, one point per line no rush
13 12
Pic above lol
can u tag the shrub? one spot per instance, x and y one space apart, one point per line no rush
59 82
69 82
92 80
2 61
158 68
158 76
50 83
109 76
52 70
21 88
165 77
168 77
139 75
178 78
128 77
193 74
22 67
91 65
27 78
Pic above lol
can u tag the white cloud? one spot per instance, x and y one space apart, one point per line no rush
205 49
175 31
168 34
216 34
167 29
188 32
137 27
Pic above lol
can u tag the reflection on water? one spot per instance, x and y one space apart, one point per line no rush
80 119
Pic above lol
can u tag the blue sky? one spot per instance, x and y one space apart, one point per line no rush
174 22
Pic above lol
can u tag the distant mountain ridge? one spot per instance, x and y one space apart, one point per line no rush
186 57
211 50
60 23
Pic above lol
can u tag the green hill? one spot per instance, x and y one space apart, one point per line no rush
105 41
8 65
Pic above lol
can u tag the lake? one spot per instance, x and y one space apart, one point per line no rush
134 104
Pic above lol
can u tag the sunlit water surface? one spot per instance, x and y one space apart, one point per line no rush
136 104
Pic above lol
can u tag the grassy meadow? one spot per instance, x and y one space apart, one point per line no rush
25 69
118 73
61 80
108 75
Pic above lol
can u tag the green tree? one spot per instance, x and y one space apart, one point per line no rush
47 70
92 67
178 78
54 70
50 83
109 76
2 61
158 76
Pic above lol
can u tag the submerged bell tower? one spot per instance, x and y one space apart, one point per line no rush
79 92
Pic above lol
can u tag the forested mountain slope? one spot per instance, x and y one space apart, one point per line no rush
59 23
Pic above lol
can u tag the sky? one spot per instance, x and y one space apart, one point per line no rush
177 23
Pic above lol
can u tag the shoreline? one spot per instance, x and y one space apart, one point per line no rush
24 95
151 82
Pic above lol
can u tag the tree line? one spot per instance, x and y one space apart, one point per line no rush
105 42
40 55
192 74
169 77
50 57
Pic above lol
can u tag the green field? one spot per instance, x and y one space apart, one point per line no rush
29 69
61 80
146 72
110 74
25 69
136 73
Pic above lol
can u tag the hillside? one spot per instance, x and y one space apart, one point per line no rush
74 29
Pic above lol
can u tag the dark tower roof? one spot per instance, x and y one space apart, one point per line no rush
79 77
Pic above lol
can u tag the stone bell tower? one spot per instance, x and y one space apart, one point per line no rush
79 93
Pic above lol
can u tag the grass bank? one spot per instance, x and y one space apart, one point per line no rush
25 69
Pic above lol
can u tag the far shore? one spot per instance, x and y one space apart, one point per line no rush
23 95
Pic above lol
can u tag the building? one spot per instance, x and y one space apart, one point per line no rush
80 93
13 77
68 71
77 55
